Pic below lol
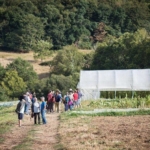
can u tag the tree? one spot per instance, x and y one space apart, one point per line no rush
55 27
61 82
3 95
42 49
2 72
13 84
25 71
68 61
129 51
20 29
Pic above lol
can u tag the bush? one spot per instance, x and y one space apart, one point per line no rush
25 71
3 95
13 84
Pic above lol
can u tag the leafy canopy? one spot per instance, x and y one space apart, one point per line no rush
25 71
130 51
13 84
42 50
67 61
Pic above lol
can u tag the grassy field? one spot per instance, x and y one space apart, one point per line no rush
7 120
8 57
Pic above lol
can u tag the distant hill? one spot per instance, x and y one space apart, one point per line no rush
64 22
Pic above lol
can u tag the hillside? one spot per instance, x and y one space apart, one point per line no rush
8 57
23 24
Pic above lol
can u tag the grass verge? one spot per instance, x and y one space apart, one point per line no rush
130 113
8 119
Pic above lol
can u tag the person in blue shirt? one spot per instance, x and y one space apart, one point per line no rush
43 110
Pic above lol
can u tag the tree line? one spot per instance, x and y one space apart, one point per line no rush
23 24
118 30
19 76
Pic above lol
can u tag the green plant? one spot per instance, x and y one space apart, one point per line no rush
13 84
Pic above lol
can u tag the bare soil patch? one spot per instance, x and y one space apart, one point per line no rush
104 133
42 137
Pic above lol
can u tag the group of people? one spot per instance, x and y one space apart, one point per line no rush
29 104
71 100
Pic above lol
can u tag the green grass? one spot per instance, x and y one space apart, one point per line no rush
7 120
131 113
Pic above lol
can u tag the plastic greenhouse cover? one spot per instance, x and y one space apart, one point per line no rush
115 80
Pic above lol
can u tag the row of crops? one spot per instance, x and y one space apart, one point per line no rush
8 104
121 103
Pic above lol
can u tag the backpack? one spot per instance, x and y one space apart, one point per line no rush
67 99
18 107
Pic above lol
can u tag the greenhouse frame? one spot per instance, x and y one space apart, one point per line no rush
93 81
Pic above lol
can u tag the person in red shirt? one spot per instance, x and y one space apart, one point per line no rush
75 98
50 101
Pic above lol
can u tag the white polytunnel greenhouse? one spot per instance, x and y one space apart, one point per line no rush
94 81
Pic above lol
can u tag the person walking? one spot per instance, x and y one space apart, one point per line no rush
43 110
20 110
36 110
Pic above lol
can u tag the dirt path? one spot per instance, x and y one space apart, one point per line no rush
44 136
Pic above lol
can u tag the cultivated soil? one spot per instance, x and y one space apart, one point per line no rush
80 133
106 133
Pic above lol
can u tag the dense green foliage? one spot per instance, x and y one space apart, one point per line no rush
3 95
25 71
68 61
24 23
13 84
118 30
54 82
2 72
17 78
129 51
42 50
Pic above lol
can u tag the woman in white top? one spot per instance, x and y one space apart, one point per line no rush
36 111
